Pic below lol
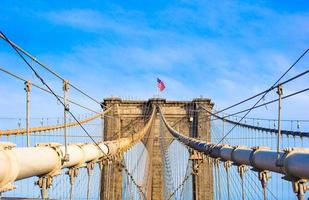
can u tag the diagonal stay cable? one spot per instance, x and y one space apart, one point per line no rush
45 90
261 98
130 175
49 88
283 83
186 176
285 132
257 106
269 102
271 88
123 163
15 46
201 163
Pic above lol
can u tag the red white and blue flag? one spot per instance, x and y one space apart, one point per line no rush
160 85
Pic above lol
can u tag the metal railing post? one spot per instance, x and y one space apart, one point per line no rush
27 89
279 92
66 109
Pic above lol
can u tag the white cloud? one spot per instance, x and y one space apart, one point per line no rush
226 52
85 19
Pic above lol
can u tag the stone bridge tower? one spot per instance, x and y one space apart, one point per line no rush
127 117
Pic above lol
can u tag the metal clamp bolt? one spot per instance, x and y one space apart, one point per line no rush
241 170
73 173
44 182
300 187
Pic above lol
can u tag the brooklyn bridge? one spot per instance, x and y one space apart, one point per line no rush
151 149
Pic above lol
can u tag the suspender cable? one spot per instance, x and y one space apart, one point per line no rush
43 89
18 48
44 83
269 102
264 104
216 163
271 130
271 88
262 97
227 165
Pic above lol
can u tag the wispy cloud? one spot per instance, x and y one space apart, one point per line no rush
84 19
91 20
226 51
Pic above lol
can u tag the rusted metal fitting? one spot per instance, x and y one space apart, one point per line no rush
7 145
65 85
295 149
118 161
90 167
227 164
208 159
280 90
195 156
300 187
73 173
195 170
264 176
44 182
217 162
102 163
240 147
27 86
242 170
65 158
256 148
56 147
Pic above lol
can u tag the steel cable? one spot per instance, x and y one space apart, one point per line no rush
274 85
15 46
44 83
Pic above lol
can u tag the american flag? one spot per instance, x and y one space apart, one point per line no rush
160 84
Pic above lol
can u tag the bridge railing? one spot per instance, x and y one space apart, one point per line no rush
293 163
46 160
256 132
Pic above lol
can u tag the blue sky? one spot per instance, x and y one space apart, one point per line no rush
225 51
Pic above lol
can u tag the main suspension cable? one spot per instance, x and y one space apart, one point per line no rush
262 97
44 83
